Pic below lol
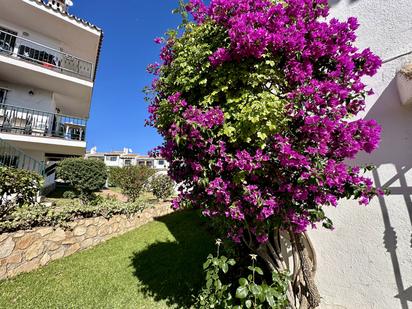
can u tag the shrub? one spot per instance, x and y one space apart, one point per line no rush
27 217
85 176
115 176
257 104
162 186
69 195
17 187
133 179
251 291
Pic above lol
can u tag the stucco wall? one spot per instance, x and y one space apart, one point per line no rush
18 95
24 251
367 261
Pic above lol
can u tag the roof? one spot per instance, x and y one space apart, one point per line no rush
122 155
81 21
67 14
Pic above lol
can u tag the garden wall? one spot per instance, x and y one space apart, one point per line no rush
24 251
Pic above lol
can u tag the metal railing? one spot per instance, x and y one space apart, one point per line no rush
42 55
25 121
13 157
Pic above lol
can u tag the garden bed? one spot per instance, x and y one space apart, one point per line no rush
55 233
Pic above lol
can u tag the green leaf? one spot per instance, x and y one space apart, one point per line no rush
255 289
248 303
259 270
243 282
271 300
206 264
242 292
225 268
209 283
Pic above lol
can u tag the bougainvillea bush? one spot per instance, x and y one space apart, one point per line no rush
256 101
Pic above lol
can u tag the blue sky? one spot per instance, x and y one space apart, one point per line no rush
118 110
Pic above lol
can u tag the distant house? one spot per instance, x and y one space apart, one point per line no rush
127 158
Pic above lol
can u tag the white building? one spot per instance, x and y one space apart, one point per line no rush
48 61
367 261
127 158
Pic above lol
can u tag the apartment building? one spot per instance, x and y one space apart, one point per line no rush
127 158
48 61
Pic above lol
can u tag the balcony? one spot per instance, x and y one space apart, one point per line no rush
13 157
43 56
29 122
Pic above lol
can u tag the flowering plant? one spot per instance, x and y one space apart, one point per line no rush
255 100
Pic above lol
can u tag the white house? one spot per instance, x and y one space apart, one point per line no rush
367 261
127 158
48 61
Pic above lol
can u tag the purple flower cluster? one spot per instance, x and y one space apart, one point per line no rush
300 169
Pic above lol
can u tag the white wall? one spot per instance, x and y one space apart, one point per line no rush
367 261
33 36
18 95
157 164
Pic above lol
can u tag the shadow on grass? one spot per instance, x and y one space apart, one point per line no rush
172 271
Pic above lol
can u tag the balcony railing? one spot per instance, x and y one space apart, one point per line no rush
42 55
13 157
24 121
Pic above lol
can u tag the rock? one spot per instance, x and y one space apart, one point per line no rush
57 236
6 247
79 231
26 267
45 231
3 270
3 237
58 254
51 246
34 250
88 222
18 234
45 259
91 231
14 258
115 227
26 241
103 231
69 241
72 249
87 243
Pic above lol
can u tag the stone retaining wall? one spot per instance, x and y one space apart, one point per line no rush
24 251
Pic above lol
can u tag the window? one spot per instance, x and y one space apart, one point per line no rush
3 95
141 163
149 163
161 162
127 162
111 158
7 40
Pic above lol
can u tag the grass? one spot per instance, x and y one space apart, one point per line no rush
156 266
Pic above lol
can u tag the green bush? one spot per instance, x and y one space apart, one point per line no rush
17 187
69 195
27 217
134 179
257 290
162 186
115 176
85 176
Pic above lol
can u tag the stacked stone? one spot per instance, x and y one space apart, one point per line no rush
24 251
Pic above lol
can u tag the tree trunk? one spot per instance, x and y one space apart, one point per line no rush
302 291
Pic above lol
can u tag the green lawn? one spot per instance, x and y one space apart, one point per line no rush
156 266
